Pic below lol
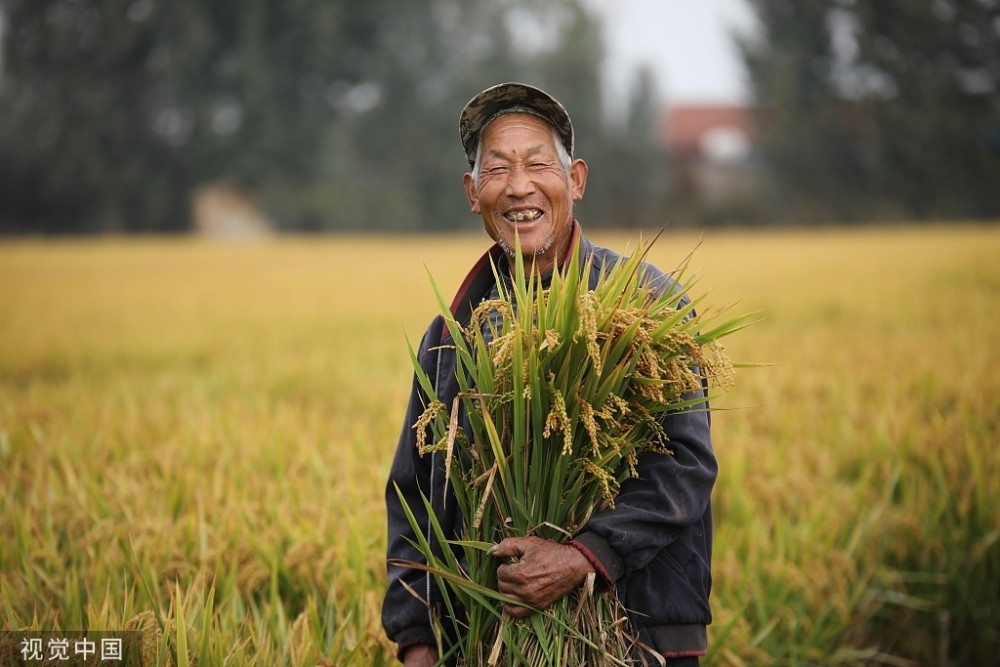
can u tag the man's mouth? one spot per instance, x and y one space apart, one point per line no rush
526 215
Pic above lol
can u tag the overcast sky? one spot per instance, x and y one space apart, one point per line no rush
687 43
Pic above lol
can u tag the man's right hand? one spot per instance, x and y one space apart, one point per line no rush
420 655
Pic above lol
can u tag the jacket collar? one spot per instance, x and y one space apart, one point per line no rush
480 277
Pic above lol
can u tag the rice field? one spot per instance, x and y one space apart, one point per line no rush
194 439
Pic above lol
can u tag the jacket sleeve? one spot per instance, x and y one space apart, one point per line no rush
406 618
669 494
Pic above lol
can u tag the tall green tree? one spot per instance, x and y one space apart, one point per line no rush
634 165
392 159
407 166
934 70
879 109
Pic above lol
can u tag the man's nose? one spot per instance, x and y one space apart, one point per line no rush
519 183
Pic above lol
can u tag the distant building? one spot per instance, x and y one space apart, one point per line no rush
711 149
225 211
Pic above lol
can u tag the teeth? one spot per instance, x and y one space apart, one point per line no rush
524 216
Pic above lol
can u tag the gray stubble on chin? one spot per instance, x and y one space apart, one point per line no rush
540 250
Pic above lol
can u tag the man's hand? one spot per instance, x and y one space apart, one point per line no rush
545 572
420 655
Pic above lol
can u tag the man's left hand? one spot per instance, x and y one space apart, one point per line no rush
544 572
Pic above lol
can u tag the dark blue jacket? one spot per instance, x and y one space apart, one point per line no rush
655 546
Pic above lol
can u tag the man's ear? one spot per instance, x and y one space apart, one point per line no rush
578 171
470 192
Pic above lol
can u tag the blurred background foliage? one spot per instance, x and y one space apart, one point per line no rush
885 109
338 115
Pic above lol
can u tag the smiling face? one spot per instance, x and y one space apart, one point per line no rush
524 192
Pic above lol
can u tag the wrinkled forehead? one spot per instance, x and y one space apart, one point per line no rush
514 118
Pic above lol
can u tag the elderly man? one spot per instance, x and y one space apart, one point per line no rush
654 546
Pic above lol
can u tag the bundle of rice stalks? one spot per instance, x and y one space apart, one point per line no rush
562 389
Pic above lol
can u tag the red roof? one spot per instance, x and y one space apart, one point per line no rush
685 125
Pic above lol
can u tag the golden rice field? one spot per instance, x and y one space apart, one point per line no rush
194 439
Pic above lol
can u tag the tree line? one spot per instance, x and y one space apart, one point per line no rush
334 114
878 110
340 115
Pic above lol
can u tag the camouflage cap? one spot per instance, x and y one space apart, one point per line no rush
509 98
